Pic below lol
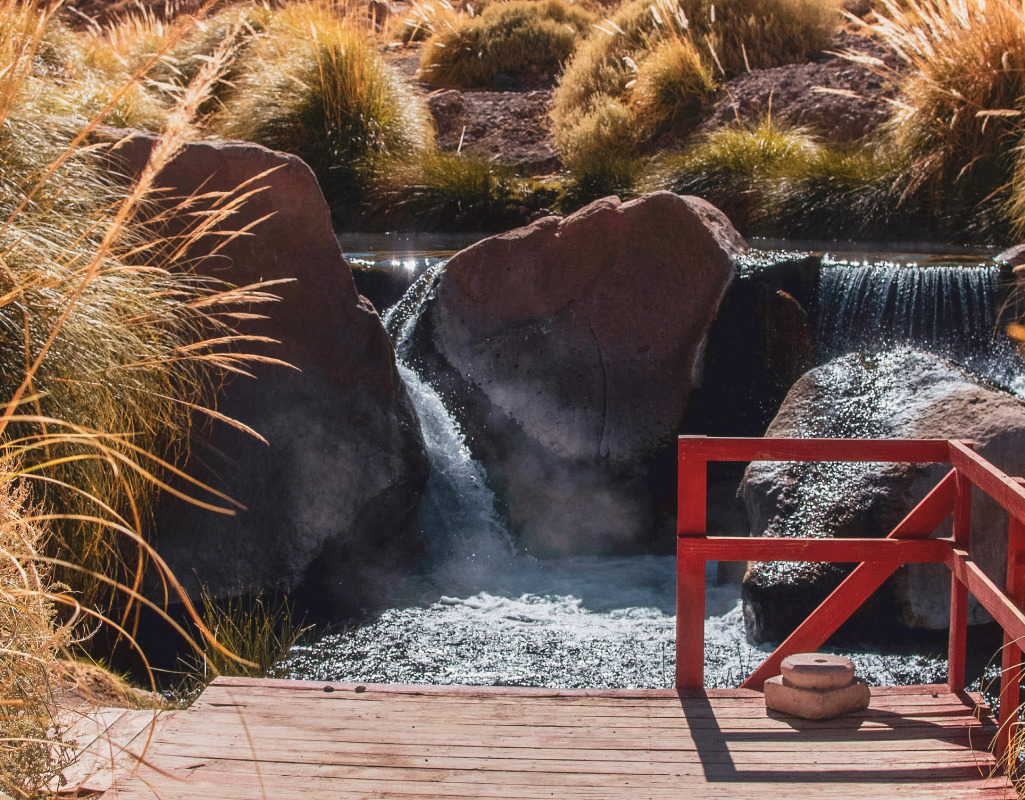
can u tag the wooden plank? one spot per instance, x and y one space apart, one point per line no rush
866 578
970 574
1011 655
743 548
700 448
1001 487
682 738
814 781
691 521
486 771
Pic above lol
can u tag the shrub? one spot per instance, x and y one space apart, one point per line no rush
446 191
524 39
673 85
311 84
79 72
759 34
658 58
598 145
235 27
31 756
958 113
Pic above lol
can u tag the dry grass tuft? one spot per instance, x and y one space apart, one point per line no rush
524 39
312 84
957 118
660 59
31 757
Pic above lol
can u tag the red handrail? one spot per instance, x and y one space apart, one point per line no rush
877 559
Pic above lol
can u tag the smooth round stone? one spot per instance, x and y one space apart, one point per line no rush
817 671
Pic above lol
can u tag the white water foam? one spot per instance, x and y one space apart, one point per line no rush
482 614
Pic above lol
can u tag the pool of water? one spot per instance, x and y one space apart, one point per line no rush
479 613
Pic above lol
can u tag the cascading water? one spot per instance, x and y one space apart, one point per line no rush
952 311
482 614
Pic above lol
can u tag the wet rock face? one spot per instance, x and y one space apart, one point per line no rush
567 349
331 500
899 394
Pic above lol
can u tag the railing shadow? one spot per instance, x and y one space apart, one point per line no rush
821 738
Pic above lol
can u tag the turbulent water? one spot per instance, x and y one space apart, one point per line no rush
579 622
950 310
482 614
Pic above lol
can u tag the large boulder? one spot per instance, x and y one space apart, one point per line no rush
331 499
897 394
568 350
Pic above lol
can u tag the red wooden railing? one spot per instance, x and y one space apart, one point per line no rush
878 559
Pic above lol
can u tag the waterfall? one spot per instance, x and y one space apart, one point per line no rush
468 539
457 512
948 310
952 311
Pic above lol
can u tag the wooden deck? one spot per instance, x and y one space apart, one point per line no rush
249 739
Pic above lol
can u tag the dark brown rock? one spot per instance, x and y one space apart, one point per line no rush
568 348
833 97
331 500
509 128
899 394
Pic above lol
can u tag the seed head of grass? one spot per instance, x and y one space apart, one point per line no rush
313 85
425 18
958 111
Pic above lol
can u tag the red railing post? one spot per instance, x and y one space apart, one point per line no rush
957 642
1010 667
691 521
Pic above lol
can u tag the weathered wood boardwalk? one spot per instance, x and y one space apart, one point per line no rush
246 739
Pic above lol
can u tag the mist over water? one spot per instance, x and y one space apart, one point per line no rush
480 613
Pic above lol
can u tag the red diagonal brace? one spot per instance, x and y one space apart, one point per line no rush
859 585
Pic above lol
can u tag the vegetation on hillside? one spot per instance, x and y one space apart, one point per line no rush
655 64
110 345
522 39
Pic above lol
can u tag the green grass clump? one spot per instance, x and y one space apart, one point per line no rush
661 60
730 166
313 85
252 633
445 191
778 180
525 39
